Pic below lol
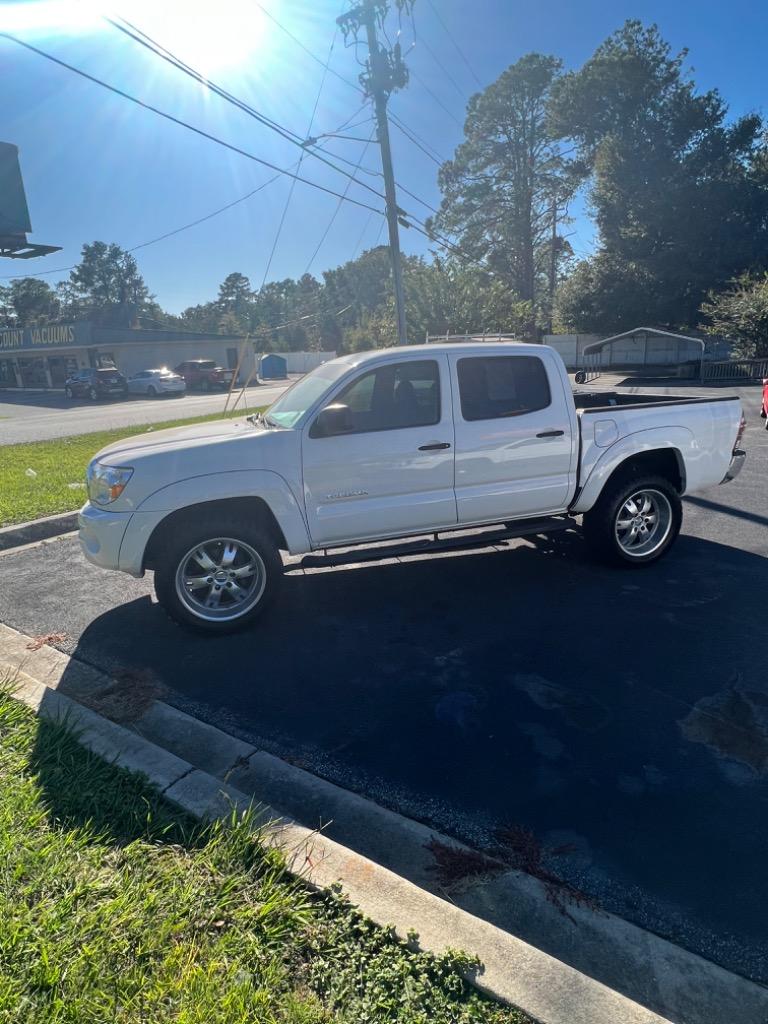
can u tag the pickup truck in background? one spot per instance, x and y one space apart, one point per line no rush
204 375
399 443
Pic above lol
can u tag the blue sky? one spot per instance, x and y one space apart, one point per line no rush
97 167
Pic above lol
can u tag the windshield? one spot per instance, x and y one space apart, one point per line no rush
292 405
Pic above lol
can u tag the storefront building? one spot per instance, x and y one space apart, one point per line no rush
44 356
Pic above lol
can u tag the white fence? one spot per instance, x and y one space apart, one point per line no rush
303 362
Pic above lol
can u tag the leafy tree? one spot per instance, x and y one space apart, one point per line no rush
508 181
741 314
680 195
28 302
106 286
447 297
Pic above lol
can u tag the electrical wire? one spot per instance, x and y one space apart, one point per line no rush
436 98
455 44
161 51
318 60
335 213
303 154
406 132
185 124
436 59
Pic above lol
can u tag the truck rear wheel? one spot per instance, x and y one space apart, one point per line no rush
217 575
635 521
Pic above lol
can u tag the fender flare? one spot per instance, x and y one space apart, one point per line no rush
272 488
678 439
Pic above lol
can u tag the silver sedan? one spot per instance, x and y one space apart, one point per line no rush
156 382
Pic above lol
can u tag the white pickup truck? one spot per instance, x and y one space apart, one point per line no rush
397 443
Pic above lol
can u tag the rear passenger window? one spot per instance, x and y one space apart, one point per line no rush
491 387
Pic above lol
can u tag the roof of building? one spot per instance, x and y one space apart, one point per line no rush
655 331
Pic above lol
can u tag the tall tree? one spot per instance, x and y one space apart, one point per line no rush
27 302
679 193
106 285
508 185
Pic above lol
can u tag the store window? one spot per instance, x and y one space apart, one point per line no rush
7 374
33 373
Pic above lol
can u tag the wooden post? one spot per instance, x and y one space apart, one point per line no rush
237 371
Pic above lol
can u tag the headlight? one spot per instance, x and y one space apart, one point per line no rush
107 483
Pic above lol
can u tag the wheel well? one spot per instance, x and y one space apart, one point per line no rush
664 462
255 509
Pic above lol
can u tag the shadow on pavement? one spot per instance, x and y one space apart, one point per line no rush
621 714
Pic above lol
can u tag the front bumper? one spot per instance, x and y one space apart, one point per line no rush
736 466
101 534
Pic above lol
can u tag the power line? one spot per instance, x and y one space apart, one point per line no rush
406 132
436 98
455 44
436 59
168 234
303 154
330 223
185 124
318 60
165 54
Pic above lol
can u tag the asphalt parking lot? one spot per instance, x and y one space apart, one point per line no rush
44 415
621 715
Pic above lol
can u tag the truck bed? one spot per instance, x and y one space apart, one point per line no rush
603 400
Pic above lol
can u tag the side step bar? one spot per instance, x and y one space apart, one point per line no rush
520 528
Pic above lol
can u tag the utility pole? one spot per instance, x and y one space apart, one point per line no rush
385 71
553 262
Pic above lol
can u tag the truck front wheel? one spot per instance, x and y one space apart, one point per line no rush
217 575
635 521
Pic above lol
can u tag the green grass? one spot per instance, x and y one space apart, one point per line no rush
57 481
114 907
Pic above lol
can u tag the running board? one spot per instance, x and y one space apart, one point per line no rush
520 528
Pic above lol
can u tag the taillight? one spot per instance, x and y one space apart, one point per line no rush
740 434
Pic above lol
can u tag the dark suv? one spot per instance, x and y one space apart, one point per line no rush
96 384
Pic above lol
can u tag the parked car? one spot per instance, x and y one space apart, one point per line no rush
764 407
425 440
204 374
96 384
156 382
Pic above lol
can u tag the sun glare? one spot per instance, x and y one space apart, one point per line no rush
209 36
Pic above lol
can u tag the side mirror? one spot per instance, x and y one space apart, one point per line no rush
332 420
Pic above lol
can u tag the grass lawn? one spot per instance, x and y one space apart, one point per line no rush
57 480
115 907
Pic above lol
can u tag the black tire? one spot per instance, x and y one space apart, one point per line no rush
93 394
212 531
205 386
152 391
69 393
601 530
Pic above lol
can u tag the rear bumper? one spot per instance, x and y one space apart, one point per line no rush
737 463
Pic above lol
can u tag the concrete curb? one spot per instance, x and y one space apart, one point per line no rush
207 773
37 529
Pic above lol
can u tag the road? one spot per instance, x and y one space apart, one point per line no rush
621 715
45 415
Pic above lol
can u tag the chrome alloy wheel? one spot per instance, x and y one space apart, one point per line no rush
643 523
221 579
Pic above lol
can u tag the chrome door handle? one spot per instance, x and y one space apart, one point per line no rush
437 446
551 433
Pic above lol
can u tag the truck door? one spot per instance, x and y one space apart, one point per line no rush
378 461
513 437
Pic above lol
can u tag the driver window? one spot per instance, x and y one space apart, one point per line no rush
393 397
